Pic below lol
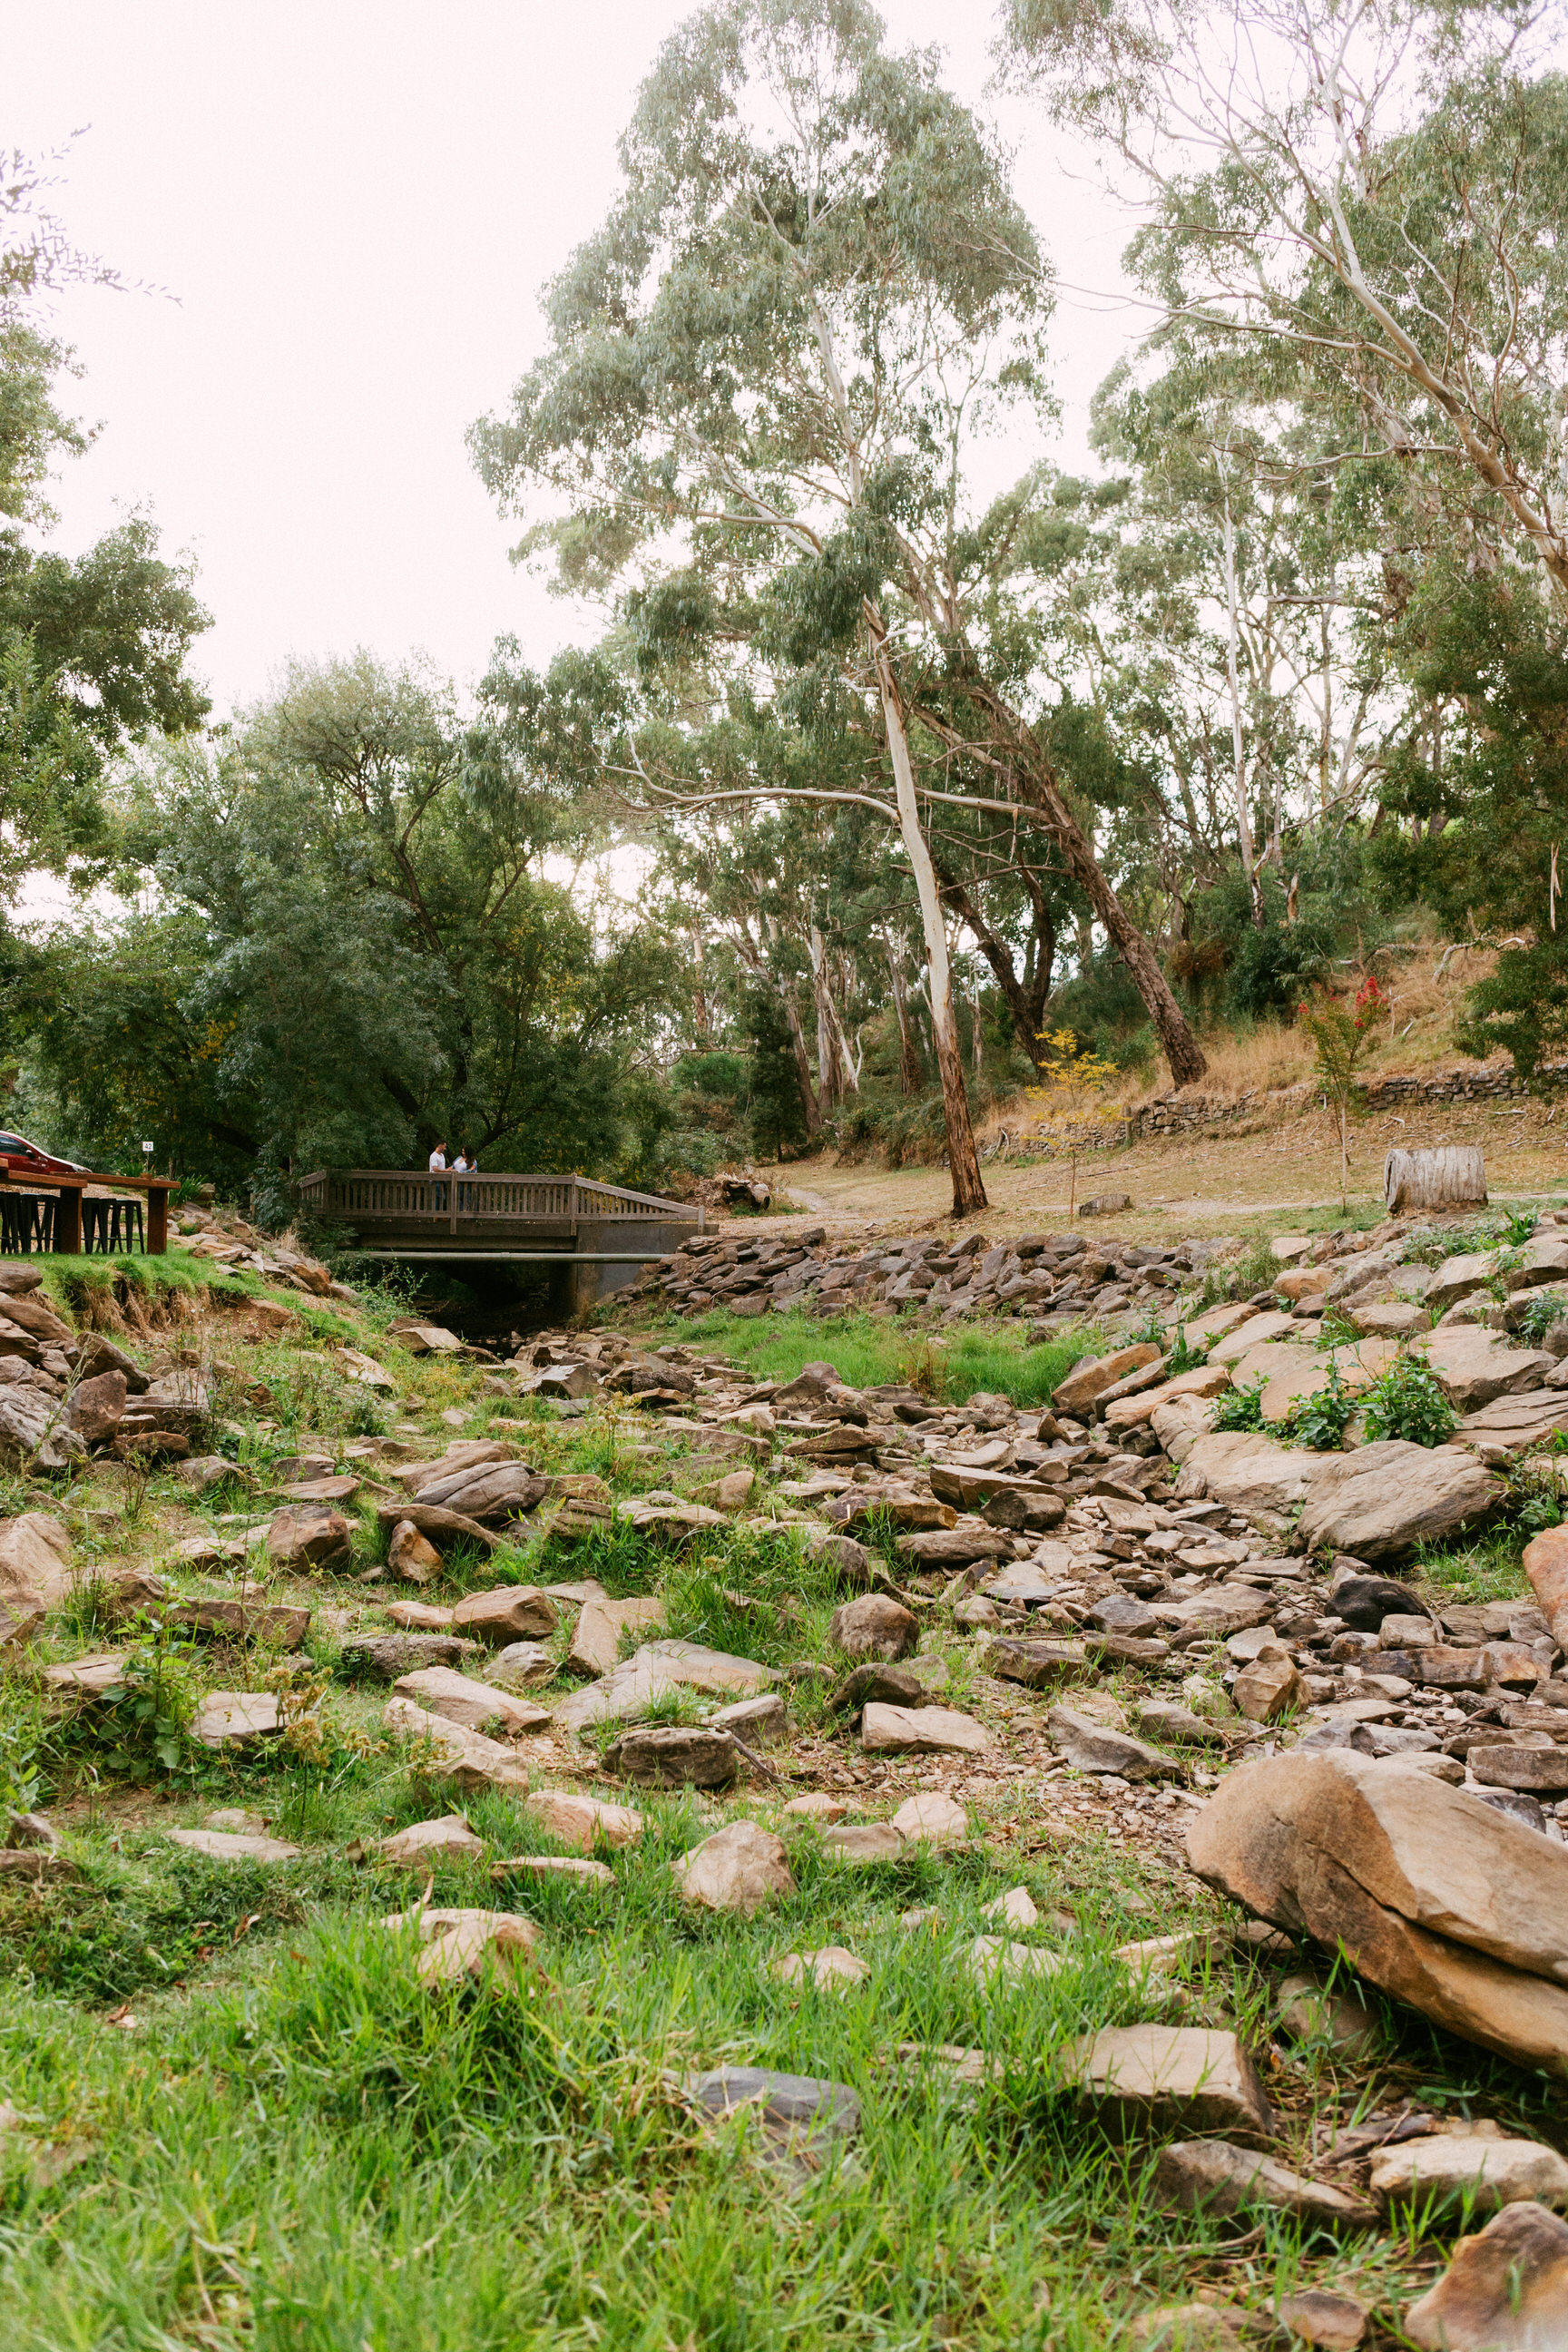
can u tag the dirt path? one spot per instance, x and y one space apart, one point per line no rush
1227 1177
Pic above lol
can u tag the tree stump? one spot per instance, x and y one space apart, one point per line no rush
1452 1177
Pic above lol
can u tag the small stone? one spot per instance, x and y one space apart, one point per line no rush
1013 1909
596 1639
1329 2321
931 1819
1090 1747
513 1612
1311 2012
572 1867
863 1841
830 1969
482 1945
428 1844
673 1756
739 1868
306 1536
1269 1688
1521 1768
477 1706
873 1626
814 1809
411 1555
521 1666
884 1685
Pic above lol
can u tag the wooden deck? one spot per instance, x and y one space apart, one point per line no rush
599 1233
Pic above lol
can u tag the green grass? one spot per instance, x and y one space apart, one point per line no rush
296 2149
870 1351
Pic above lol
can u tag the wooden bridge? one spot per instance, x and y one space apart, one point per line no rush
596 1235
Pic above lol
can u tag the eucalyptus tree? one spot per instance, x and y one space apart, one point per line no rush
1370 189
93 647
769 376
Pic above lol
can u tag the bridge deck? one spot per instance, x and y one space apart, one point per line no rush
601 1230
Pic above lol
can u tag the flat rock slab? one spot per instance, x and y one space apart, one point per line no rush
91 1677
921 1731
1437 1897
1474 1366
581 1822
387 1656
863 1841
575 1869
456 1753
477 1706
1490 2173
596 1642
224 1845
799 2117
675 1756
1215 2176
1171 2077
229 1719
1092 1747
428 1844
1039 1664
511 1613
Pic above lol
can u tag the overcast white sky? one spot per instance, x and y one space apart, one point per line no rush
352 209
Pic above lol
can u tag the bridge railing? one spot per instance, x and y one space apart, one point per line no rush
366 1195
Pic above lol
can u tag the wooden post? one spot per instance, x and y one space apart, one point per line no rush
158 1219
67 1221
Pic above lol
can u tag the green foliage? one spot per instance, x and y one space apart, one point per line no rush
1407 1401
1543 1310
356 954
1321 1421
1184 1356
777 1113
1241 1408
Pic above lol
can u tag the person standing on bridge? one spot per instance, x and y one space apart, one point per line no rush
438 1163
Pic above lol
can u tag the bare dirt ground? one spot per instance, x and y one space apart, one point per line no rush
1231 1178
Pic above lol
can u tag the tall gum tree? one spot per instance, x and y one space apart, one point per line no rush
1374 187
769 376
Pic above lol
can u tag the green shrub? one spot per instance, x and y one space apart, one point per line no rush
1242 1408
1321 1421
1407 1401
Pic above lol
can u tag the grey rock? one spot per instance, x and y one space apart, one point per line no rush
388 1655
1091 1747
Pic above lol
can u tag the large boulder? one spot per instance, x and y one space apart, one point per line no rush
1433 1896
1091 1379
1546 1565
1382 1500
1506 2289
1473 1366
33 1431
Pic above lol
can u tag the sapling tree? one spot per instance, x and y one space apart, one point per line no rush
1340 1038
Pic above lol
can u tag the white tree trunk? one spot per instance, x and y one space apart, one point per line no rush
1453 1176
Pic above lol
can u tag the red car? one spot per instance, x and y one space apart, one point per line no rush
20 1158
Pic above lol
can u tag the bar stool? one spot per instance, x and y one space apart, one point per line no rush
94 1225
27 1223
125 1226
